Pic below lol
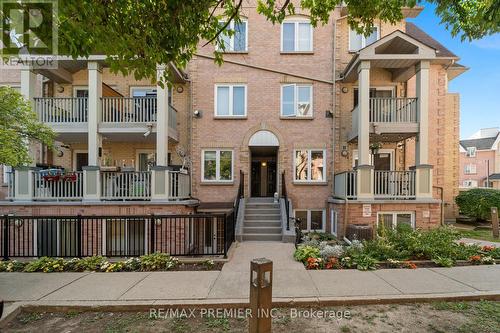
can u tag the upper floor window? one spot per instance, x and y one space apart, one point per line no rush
296 100
230 100
217 165
470 169
471 151
237 42
357 41
296 36
309 165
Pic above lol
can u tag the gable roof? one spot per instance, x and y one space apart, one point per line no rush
480 144
420 35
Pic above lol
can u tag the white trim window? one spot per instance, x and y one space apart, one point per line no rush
470 169
296 36
470 183
471 152
237 40
217 165
297 100
6 173
311 219
230 100
392 219
359 41
309 165
334 222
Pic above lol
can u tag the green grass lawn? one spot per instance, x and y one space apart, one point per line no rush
482 234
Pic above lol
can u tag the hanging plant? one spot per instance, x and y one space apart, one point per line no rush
375 147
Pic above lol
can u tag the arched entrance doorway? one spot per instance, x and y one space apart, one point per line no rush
263 146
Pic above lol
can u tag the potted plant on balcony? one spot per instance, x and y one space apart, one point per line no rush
375 147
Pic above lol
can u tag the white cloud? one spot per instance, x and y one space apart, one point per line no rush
489 42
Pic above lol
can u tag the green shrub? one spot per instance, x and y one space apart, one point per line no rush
93 263
364 262
478 202
12 266
303 252
46 265
157 261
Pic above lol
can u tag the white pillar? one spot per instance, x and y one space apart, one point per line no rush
160 175
24 183
161 121
94 112
423 171
28 90
365 169
422 90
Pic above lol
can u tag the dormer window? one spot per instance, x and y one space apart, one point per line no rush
471 151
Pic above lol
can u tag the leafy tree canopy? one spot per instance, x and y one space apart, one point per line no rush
19 126
138 35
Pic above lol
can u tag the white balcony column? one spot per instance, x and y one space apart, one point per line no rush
24 181
91 183
160 175
161 120
94 113
28 90
364 169
423 171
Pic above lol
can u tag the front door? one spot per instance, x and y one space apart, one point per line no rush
82 159
382 161
264 177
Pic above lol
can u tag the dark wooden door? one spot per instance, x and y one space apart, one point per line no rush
255 181
82 159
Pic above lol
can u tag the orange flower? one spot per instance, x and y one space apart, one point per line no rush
312 263
410 265
475 259
332 262
488 248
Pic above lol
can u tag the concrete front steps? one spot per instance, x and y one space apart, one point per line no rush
262 220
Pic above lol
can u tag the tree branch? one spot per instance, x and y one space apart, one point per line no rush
236 10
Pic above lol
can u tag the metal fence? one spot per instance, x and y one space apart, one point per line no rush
116 236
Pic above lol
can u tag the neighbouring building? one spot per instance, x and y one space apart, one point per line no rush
480 159
341 128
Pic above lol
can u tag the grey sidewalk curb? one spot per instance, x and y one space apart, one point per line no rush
145 305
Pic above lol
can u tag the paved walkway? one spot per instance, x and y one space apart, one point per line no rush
480 242
292 283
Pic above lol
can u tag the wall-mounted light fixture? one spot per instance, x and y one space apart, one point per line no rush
345 90
179 89
60 89
344 152
197 113
263 164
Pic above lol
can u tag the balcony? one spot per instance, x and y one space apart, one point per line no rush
69 115
57 185
387 185
391 118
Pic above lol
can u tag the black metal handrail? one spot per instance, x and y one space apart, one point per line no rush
116 236
285 197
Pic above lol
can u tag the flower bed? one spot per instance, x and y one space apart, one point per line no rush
151 262
400 248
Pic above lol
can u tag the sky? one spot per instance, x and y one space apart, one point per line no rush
479 87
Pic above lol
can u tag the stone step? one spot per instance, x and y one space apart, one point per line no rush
275 224
262 230
261 237
260 200
252 211
262 205
273 217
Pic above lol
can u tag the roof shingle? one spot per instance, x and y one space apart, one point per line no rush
417 33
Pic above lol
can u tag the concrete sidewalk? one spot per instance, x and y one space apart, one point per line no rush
292 283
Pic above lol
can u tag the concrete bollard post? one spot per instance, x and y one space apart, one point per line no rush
261 295
494 221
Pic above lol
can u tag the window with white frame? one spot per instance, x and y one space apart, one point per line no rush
359 41
334 222
311 219
230 100
296 100
470 169
391 220
309 165
237 40
471 151
470 183
217 165
296 36
6 173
